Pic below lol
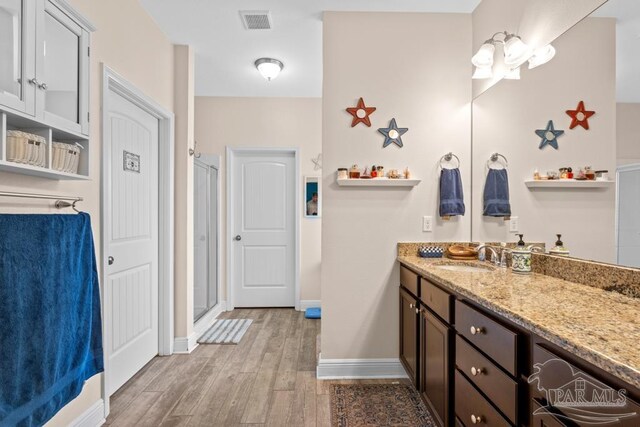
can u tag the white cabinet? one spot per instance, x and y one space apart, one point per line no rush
44 79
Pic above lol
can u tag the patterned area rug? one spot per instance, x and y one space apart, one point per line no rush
227 331
355 405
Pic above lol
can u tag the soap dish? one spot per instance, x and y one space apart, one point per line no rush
430 252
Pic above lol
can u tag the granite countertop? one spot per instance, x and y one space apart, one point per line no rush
598 326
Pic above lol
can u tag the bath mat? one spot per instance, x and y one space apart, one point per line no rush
225 331
355 405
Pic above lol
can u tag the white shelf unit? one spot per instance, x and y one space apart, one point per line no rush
16 122
567 183
378 182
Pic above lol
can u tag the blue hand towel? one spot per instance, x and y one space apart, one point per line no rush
50 327
451 197
496 194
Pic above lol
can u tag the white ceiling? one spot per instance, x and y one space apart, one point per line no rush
225 51
627 13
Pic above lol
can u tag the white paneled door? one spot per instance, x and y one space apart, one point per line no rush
131 233
264 228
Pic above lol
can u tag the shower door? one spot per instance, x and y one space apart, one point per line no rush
205 237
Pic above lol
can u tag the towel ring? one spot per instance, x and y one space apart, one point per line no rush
495 157
447 158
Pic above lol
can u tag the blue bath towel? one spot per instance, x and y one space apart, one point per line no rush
451 197
50 327
496 194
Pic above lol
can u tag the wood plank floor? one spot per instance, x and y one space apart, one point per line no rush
268 379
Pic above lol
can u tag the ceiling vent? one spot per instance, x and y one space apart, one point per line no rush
256 19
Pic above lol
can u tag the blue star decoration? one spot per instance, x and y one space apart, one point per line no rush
393 134
549 136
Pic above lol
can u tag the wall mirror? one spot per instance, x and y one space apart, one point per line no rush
312 201
595 62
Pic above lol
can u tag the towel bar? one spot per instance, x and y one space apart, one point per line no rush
448 157
61 201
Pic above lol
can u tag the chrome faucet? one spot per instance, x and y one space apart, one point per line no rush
503 257
494 253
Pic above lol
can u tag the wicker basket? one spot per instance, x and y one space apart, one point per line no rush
66 157
26 148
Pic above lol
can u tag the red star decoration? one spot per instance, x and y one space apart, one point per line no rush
580 116
360 113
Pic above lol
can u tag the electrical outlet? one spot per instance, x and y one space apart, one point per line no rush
514 224
427 223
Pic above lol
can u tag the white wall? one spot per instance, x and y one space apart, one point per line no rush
628 133
265 122
537 22
130 42
415 68
505 118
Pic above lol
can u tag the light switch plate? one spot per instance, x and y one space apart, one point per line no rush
427 223
514 224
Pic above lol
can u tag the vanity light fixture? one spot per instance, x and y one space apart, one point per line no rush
516 52
269 67
542 56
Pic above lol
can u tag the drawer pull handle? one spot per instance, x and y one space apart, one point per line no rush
477 371
411 306
477 419
476 330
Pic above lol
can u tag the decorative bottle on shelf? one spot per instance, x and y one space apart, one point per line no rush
521 257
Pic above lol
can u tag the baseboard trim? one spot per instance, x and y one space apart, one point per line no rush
205 322
92 417
307 303
185 345
331 369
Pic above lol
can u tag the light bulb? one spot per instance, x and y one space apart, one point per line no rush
542 56
515 50
484 56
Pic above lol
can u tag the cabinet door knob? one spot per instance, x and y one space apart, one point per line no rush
110 260
43 86
476 371
237 238
34 81
411 305
476 330
417 310
477 419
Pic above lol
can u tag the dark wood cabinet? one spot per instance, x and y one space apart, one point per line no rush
475 367
435 369
409 334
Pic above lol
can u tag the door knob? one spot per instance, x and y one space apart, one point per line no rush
238 238
110 260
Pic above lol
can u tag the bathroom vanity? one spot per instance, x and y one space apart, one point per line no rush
485 346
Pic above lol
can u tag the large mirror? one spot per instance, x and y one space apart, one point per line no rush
538 124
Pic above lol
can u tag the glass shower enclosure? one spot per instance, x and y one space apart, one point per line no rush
205 237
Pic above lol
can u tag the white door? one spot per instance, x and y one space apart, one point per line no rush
263 245
131 233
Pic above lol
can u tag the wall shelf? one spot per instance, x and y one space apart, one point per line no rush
378 182
567 183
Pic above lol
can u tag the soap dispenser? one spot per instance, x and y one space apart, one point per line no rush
521 257
559 248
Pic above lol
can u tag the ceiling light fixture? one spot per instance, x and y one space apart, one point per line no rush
516 52
542 56
269 68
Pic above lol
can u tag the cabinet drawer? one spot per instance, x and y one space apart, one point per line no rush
543 419
494 383
491 337
436 299
472 408
551 373
409 280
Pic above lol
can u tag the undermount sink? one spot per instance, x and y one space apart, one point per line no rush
465 268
